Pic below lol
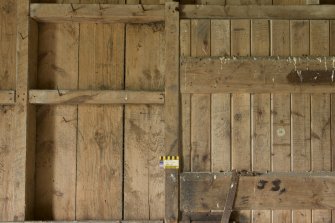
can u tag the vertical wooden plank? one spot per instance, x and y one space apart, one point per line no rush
220 37
220 103
240 110
100 141
24 151
185 50
172 109
260 112
332 53
299 31
200 103
57 125
319 38
320 113
289 2
7 76
280 113
260 37
240 37
144 194
332 38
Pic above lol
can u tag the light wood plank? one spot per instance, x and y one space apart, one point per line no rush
96 13
240 37
7 97
202 192
220 132
144 194
280 38
185 50
299 36
260 37
172 109
95 97
282 216
200 37
57 125
100 141
25 122
257 12
200 133
220 37
255 75
289 2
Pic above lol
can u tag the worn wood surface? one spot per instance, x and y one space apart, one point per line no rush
100 128
257 12
94 97
7 118
250 74
97 13
144 196
56 146
201 192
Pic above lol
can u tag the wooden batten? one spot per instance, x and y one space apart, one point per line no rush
257 75
257 12
97 13
206 192
7 97
95 97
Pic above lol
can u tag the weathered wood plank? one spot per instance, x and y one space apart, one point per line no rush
252 74
97 13
100 138
7 97
95 97
202 192
25 126
144 194
172 109
257 12
56 145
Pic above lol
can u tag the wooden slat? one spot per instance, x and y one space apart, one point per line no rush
92 221
257 12
172 109
251 74
220 37
202 192
95 97
144 194
299 37
97 13
100 138
25 126
7 115
56 145
7 97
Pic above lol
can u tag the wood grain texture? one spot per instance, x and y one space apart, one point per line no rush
200 103
57 125
257 12
24 150
96 13
319 38
94 97
202 192
7 97
220 37
100 137
144 196
172 109
332 38
254 75
240 37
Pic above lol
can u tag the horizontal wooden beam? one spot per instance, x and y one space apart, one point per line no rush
97 13
7 97
257 75
89 221
95 97
257 12
207 192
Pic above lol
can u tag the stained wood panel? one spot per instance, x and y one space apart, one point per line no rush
100 136
56 125
144 125
7 76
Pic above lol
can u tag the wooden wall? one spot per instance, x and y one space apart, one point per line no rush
101 161
259 132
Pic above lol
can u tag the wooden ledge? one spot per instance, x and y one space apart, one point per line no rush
7 97
96 13
297 12
95 97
